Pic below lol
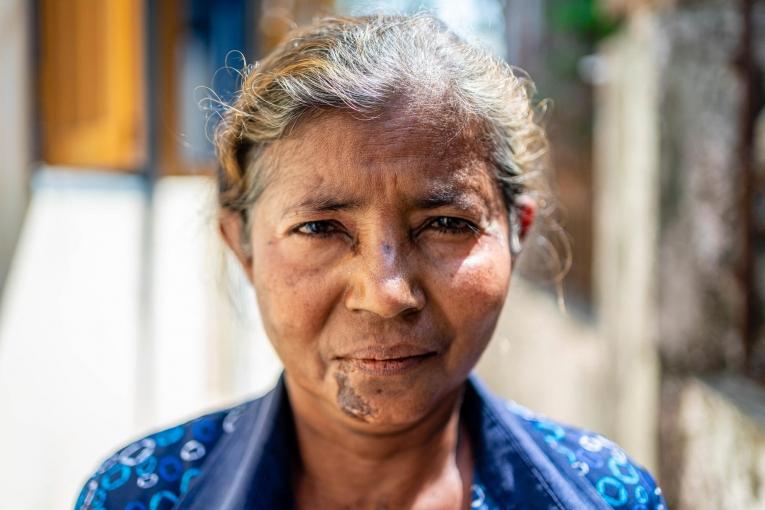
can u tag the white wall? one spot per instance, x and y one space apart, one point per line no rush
551 362
89 358
14 142
68 329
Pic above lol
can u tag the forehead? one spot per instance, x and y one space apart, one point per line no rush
401 152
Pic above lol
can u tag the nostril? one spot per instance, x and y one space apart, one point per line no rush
411 312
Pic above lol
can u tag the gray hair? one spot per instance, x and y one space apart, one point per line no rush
363 64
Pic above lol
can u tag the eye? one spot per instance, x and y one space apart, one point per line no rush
319 229
449 225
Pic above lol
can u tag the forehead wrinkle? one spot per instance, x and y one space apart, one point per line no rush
327 198
349 152
349 188
361 144
322 200
465 191
405 143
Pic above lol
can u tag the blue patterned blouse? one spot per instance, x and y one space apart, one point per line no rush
239 459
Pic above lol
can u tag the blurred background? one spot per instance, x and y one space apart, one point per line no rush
120 312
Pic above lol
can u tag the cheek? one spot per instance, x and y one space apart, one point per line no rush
471 295
294 296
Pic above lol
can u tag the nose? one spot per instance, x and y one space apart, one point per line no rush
383 282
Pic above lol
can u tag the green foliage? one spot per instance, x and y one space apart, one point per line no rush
584 18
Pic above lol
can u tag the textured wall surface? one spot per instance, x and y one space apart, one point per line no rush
709 447
733 450
700 297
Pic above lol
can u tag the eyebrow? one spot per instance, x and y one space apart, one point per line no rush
323 201
447 196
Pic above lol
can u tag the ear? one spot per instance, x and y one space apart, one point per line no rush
230 224
527 211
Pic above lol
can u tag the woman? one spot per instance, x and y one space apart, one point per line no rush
375 186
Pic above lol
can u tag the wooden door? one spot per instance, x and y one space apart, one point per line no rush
91 87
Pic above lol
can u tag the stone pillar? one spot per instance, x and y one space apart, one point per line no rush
626 222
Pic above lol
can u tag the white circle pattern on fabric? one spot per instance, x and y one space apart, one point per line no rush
597 459
137 452
147 481
591 443
477 496
192 450
229 422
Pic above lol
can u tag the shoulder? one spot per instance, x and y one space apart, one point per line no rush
156 470
603 464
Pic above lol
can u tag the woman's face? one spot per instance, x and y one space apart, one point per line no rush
381 261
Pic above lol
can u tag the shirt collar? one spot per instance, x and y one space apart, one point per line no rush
515 470
250 468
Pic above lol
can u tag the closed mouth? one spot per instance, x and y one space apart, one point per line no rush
389 365
381 352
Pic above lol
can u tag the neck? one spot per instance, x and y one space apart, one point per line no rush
425 465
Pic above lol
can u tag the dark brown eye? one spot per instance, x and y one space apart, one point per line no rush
317 229
449 225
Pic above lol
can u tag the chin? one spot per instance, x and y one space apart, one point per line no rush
390 402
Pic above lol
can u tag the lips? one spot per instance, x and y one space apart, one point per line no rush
388 360
389 352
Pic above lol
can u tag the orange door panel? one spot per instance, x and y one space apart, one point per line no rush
92 83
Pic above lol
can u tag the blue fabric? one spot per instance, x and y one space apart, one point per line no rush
240 458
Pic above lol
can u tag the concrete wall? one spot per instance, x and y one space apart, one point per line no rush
700 296
551 362
711 425
626 226
722 423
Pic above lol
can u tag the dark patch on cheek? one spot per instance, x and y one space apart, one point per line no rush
349 401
